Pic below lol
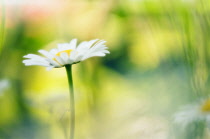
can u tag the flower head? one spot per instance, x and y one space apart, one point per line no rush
194 113
67 53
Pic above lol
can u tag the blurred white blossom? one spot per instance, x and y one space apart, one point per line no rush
196 112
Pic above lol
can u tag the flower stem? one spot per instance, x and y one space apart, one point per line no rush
72 107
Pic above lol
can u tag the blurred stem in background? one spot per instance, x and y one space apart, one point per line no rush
10 57
196 50
26 122
195 35
72 107
2 28
93 84
195 130
190 52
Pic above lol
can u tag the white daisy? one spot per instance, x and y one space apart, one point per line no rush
192 113
67 53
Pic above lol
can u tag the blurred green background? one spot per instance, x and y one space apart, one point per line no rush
159 61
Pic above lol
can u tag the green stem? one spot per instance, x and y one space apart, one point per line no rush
72 107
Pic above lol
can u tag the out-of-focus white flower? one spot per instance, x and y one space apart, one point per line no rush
193 113
67 53
3 85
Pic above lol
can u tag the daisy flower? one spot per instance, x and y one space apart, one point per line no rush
64 56
67 54
193 113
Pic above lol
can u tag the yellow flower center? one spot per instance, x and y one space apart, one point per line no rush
65 51
59 54
206 106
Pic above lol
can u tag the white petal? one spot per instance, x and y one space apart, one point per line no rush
98 46
105 51
65 57
97 54
54 51
36 58
27 61
73 44
78 58
99 43
32 56
53 62
31 63
91 43
82 45
93 55
73 56
60 60
46 53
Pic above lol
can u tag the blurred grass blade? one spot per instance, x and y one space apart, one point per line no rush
2 27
